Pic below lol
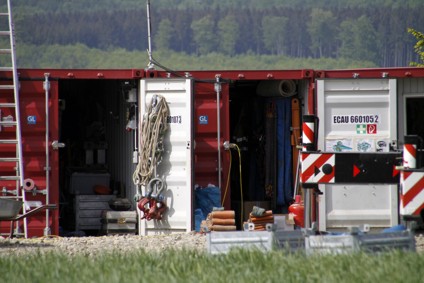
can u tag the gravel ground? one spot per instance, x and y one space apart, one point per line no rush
92 246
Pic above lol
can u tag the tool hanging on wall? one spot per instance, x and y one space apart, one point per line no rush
153 130
295 141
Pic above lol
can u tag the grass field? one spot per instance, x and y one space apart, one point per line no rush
237 266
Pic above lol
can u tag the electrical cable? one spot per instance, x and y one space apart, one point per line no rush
230 146
228 181
241 186
175 73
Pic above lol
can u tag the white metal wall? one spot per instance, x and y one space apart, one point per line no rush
177 159
357 115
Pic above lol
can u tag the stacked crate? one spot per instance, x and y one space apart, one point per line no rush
119 222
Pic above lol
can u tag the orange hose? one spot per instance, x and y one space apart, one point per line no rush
223 228
223 214
219 221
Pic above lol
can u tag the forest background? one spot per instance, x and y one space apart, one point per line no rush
216 34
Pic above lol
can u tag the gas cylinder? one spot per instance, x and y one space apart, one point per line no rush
297 209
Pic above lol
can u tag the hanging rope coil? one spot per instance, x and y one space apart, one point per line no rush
153 130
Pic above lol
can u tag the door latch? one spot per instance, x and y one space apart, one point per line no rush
56 145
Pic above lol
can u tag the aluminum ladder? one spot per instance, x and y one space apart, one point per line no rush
12 178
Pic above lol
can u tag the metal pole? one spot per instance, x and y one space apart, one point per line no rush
149 37
46 86
218 89
308 144
308 208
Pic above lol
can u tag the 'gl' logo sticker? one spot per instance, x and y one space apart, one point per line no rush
203 120
32 120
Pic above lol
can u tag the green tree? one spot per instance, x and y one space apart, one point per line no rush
358 40
164 35
204 35
418 47
322 30
274 31
228 33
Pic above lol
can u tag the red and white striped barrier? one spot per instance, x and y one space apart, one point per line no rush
318 168
308 129
410 156
412 193
410 152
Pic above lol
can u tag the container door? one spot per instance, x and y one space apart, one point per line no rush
39 152
176 165
357 115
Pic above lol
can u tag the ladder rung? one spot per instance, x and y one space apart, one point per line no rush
7 105
9 178
5 51
9 159
4 32
6 68
8 141
4 14
8 123
7 87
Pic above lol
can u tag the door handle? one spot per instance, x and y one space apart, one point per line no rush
56 145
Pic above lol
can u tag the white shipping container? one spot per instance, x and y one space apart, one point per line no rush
357 115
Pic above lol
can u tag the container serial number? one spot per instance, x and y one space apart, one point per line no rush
356 119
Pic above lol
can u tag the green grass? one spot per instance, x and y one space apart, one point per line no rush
237 266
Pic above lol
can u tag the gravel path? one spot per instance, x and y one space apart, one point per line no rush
92 246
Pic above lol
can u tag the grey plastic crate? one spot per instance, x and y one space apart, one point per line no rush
223 242
291 241
364 242
402 240
331 244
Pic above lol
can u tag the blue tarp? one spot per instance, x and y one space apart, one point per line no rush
284 152
205 200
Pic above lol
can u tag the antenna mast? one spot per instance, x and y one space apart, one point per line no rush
150 66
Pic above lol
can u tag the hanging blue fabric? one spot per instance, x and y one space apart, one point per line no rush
284 154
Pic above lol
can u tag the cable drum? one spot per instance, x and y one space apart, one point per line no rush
285 88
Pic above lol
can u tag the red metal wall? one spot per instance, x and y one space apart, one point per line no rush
206 142
33 121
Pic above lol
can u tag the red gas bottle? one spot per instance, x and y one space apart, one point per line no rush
297 209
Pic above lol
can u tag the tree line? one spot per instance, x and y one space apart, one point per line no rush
373 34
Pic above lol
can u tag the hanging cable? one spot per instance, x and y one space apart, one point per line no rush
241 186
228 181
153 129
229 146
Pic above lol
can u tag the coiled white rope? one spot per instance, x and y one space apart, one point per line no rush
153 129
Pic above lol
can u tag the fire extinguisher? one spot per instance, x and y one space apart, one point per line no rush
297 209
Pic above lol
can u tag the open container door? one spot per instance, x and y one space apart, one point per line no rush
357 115
176 166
